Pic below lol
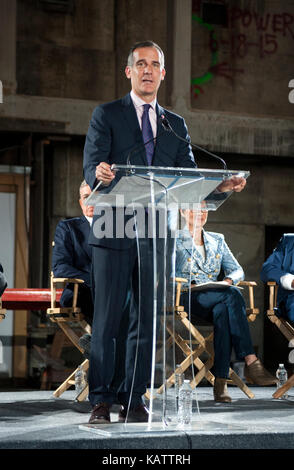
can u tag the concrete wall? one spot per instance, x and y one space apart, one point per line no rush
66 55
82 54
7 46
67 175
246 63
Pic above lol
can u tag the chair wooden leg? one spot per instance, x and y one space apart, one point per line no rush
71 335
282 325
239 382
204 371
70 380
192 357
84 393
205 344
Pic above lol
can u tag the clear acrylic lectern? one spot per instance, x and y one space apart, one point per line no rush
148 202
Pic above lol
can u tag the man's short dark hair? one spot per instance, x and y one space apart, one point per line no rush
130 62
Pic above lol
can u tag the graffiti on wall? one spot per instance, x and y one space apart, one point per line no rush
238 43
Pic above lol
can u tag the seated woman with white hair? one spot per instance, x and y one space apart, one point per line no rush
201 257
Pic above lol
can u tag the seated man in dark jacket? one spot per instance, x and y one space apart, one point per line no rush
72 255
279 267
3 282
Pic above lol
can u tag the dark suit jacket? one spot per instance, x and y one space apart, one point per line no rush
114 131
72 254
279 263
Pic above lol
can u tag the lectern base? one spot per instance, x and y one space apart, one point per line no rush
143 428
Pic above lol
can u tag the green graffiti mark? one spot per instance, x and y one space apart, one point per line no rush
206 77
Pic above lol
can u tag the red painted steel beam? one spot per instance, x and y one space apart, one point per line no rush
28 298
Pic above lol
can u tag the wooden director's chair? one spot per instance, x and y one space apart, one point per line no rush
204 345
65 317
2 311
285 328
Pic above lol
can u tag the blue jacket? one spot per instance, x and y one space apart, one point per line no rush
279 263
71 256
114 131
218 258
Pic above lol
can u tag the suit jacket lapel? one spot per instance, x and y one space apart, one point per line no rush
131 118
159 134
209 252
159 111
203 264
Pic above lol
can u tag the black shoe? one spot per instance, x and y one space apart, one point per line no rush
100 414
85 343
139 414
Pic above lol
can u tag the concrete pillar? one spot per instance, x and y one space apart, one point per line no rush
8 46
182 56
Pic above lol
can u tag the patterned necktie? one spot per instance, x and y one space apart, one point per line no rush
147 134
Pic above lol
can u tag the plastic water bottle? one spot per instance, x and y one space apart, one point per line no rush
179 379
185 405
282 377
80 380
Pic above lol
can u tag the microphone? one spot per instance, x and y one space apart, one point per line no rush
147 141
166 125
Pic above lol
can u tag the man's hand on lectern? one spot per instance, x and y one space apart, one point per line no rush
235 183
103 173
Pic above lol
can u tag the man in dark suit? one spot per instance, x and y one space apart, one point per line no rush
72 255
115 130
279 267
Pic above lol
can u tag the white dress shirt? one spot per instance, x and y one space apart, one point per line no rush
201 250
286 281
138 103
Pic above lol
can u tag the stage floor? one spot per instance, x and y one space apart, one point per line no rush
37 420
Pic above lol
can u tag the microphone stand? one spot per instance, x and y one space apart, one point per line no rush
168 128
